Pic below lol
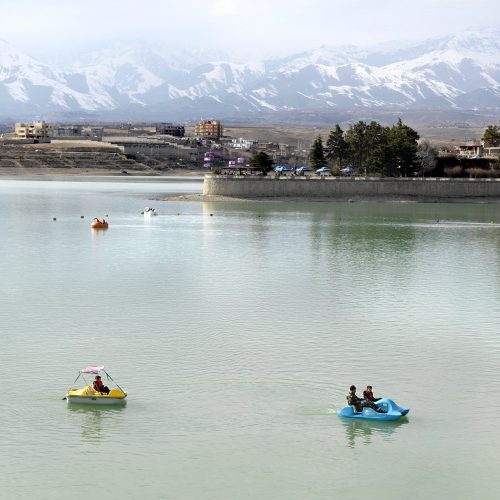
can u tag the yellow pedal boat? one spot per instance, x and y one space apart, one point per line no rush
89 394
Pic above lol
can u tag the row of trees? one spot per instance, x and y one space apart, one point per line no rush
373 148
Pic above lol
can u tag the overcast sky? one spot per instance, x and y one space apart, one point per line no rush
252 28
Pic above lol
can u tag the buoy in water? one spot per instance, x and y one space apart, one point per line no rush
53 218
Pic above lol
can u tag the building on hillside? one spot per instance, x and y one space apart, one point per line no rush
77 132
67 131
36 131
470 150
493 152
172 129
241 143
209 129
95 133
154 147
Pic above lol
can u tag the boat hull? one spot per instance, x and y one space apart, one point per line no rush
88 396
91 400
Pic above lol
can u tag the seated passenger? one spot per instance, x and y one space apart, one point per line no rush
359 404
368 394
99 386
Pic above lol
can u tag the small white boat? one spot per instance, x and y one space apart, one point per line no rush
90 395
150 212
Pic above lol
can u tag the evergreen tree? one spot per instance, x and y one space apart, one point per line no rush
491 136
367 144
262 161
317 154
357 144
379 156
337 149
402 144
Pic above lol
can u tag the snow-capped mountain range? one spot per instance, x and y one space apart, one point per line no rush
139 80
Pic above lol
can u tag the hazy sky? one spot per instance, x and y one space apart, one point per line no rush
249 27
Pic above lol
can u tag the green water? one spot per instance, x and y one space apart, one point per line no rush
236 336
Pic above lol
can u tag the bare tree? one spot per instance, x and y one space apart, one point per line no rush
426 156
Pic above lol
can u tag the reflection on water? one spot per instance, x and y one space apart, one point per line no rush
95 419
363 432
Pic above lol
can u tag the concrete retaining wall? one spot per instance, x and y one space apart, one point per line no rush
341 187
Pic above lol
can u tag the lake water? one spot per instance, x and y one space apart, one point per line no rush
236 329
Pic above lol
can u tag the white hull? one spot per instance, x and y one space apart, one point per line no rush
94 401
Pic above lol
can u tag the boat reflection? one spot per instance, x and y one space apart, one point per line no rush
363 431
93 419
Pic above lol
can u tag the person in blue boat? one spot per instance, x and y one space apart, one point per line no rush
368 394
359 404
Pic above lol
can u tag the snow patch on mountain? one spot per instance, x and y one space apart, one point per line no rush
445 72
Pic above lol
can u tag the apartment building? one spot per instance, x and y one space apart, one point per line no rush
209 129
36 131
170 129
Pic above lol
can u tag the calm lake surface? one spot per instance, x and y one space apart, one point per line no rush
236 336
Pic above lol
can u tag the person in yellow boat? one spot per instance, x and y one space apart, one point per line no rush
99 386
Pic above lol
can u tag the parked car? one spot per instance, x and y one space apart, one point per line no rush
281 168
303 169
323 170
347 170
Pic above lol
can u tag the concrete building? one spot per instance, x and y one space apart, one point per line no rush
77 132
36 131
170 129
155 148
243 144
67 131
95 133
470 149
209 129
493 152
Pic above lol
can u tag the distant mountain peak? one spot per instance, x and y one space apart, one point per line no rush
457 71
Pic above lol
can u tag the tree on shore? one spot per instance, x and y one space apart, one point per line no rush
491 136
402 143
317 154
337 149
262 161
426 157
367 145
357 142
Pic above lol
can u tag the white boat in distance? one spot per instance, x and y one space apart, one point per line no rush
150 212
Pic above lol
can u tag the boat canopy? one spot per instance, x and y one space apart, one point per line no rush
92 369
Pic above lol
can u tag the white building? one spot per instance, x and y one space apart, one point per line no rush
241 143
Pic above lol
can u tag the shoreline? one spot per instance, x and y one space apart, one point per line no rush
41 172
295 199
47 173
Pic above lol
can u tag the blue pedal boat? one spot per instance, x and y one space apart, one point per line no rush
392 411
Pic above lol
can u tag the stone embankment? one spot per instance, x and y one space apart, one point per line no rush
355 188
75 158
